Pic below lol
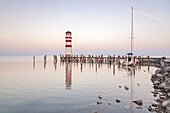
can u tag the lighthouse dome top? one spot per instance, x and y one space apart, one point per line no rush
68 32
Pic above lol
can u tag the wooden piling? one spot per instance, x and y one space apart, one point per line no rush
101 58
96 59
66 59
90 58
45 59
114 60
134 62
148 59
77 59
55 59
33 59
139 60
62 58
123 57
118 59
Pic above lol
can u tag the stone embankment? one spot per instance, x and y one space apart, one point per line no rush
161 83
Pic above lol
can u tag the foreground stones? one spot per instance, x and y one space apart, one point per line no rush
99 102
138 102
161 84
117 100
99 97
126 88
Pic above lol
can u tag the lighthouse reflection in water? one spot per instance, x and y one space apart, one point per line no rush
68 72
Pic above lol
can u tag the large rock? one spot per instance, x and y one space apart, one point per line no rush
157 77
117 100
169 94
138 102
150 109
167 85
167 81
167 69
159 71
166 103
166 74
168 109
156 82
99 102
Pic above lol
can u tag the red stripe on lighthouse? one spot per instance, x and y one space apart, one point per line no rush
69 37
68 45
68 40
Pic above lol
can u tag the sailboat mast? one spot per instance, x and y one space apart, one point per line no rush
132 31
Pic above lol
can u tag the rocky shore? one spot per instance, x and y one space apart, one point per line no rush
161 84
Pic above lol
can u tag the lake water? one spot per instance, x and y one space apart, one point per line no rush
72 87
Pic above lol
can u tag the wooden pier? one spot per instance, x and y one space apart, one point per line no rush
138 60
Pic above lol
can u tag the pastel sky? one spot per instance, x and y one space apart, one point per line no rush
37 27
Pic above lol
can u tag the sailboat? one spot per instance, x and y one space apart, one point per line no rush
129 60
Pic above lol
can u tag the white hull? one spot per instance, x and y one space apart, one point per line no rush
125 62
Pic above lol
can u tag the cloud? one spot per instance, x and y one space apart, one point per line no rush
153 17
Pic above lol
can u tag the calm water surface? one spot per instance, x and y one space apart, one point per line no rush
72 87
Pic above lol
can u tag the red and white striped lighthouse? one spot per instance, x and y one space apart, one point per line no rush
68 44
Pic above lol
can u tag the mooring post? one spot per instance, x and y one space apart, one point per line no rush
139 60
33 59
101 58
96 59
126 57
134 58
123 57
45 59
92 58
110 59
81 59
55 59
148 59
114 60
66 59
118 59
63 58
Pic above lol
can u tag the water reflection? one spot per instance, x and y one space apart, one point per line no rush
96 67
44 65
81 66
33 65
113 69
55 65
131 74
68 76
35 87
148 68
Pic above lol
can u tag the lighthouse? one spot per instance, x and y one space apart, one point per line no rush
68 44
